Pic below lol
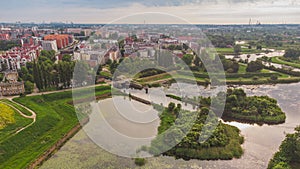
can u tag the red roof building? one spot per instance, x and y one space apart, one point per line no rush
61 40
4 36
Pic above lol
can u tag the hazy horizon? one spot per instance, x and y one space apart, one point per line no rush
217 12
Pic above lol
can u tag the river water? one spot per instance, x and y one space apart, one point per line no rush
254 57
261 142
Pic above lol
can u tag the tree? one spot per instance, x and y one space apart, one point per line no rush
37 76
188 58
292 54
23 73
254 66
289 152
197 61
43 59
185 46
49 54
171 106
259 47
28 87
230 66
99 70
221 41
281 165
274 77
67 58
179 106
140 161
109 61
113 66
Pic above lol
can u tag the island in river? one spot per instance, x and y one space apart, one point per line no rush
206 139
242 108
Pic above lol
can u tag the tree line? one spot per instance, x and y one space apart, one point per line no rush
48 73
288 156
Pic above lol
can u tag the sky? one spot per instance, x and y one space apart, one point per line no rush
191 11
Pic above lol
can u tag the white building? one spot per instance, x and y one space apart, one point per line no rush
49 45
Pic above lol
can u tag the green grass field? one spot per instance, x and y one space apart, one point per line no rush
11 129
283 62
242 77
230 51
55 118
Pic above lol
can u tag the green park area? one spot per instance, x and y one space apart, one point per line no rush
236 73
284 61
230 51
55 118
10 121
242 77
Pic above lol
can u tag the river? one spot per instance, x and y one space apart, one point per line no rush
261 142
254 57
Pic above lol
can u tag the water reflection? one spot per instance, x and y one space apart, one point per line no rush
261 142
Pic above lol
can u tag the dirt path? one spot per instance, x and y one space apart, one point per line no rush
33 114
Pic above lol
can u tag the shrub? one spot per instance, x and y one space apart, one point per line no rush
274 77
139 161
255 78
254 66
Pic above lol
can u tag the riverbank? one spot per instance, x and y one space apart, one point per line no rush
203 79
261 142
242 108
222 143
39 161
55 119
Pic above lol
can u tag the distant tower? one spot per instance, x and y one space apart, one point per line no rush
250 22
258 22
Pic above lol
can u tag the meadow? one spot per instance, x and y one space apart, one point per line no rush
55 118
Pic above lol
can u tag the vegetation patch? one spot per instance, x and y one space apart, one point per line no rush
255 109
140 161
223 142
6 116
55 118
242 108
286 61
288 156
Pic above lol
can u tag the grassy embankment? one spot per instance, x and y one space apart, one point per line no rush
202 78
280 60
230 51
55 118
17 122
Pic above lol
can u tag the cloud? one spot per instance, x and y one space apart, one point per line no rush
196 11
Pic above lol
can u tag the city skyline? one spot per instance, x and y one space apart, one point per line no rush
194 11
